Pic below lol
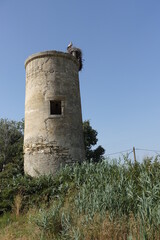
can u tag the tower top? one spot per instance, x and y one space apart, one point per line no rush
49 54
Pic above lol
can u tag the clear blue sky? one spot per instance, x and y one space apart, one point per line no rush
120 82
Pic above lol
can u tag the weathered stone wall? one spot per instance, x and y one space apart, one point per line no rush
51 140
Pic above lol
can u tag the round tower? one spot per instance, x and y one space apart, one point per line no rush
53 134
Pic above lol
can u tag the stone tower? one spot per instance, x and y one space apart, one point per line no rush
53 132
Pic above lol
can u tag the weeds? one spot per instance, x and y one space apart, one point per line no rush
107 200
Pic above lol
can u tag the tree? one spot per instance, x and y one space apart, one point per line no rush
11 143
90 140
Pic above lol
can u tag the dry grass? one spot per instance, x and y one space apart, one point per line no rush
119 229
97 229
17 204
20 229
105 229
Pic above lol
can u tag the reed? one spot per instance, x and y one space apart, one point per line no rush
107 200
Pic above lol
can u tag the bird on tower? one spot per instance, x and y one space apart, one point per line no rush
76 52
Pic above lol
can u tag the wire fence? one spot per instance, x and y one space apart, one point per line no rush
134 150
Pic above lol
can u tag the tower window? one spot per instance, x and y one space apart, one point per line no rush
55 108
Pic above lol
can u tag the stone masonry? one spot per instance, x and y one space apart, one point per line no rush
53 121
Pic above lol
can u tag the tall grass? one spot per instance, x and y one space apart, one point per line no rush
107 200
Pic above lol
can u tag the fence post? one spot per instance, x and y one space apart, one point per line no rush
134 154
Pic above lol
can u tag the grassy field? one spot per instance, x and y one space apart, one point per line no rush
107 200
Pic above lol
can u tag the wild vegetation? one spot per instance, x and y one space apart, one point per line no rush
110 199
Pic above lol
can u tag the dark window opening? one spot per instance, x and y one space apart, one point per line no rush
55 108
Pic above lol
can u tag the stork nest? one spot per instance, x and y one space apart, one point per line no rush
76 52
